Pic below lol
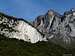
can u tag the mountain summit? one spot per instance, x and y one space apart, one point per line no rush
56 27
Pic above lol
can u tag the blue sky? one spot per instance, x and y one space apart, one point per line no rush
30 9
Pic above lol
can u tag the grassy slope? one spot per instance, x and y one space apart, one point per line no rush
14 47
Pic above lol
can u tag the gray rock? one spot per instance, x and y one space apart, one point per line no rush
61 27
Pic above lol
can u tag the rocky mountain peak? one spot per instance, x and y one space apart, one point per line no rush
70 12
57 27
50 12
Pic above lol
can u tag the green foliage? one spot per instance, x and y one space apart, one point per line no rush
14 47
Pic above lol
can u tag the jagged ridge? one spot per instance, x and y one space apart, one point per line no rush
56 27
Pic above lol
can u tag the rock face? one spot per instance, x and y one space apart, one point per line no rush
18 28
48 22
56 27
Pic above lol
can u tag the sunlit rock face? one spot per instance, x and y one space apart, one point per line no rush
18 28
56 27
27 32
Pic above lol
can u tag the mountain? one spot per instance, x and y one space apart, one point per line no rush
57 28
18 28
46 36
52 26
